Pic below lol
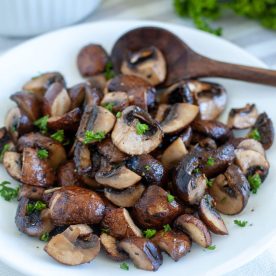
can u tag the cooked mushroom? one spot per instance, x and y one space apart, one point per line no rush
125 198
56 101
119 224
195 228
119 177
98 81
148 63
117 101
210 216
213 129
96 120
74 205
71 249
174 243
110 151
174 153
252 162
31 192
161 112
208 143
13 164
265 128
241 118
139 91
39 84
93 96
77 94
151 170
5 138
92 60
144 254
179 117
29 103
36 171
35 223
82 159
154 209
230 191
110 246
67 174
127 135
251 144
188 181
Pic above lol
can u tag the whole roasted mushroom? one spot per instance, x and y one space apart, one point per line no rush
135 132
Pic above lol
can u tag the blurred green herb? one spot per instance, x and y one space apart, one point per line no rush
6 192
240 223
37 206
41 123
149 233
255 134
58 135
255 182
91 136
42 153
109 72
5 149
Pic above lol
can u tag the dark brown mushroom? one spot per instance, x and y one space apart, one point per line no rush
77 94
245 117
39 84
5 138
126 137
31 192
210 216
74 205
150 169
148 63
154 209
110 246
92 60
125 198
117 101
230 191
12 162
195 228
70 248
67 174
179 116
144 254
98 81
188 182
119 224
82 159
175 243
35 223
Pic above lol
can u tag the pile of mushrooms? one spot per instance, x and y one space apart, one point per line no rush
136 157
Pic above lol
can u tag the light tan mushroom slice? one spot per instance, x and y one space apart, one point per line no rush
195 228
119 224
68 248
110 246
241 118
148 63
56 100
126 137
13 164
144 254
125 198
251 144
174 153
116 100
179 117
161 112
210 216
118 178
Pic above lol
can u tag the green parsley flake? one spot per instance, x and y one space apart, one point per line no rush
108 106
147 167
124 266
141 128
167 228
58 136
37 206
209 183
118 114
255 134
105 230
5 149
149 233
45 237
42 153
108 72
196 171
41 123
255 182
91 136
8 193
240 223
170 198
211 247
210 161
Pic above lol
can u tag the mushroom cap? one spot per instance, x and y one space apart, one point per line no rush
13 164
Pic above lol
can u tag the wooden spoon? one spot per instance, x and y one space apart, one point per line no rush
182 61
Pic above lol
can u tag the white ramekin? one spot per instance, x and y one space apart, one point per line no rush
31 17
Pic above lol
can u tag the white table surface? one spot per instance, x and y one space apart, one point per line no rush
243 32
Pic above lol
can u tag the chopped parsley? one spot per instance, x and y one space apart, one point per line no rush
45 237
149 233
5 149
209 183
211 247
255 134
105 230
210 161
147 167
170 198
8 193
240 223
255 182
108 72
37 206
167 228
141 128
58 136
124 266
196 171
41 123
108 106
42 153
119 114
91 136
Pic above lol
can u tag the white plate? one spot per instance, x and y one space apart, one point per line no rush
57 51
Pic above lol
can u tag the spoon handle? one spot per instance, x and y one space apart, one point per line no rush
213 68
